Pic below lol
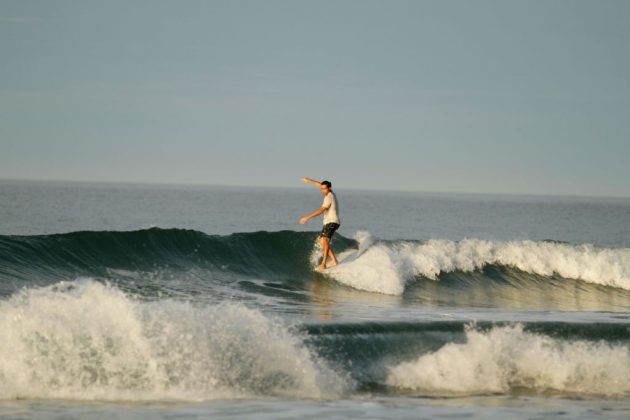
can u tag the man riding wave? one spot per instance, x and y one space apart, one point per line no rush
330 209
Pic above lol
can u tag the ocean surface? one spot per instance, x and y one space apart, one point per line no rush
136 301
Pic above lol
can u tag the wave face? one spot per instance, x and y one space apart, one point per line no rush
388 267
91 252
86 340
507 358
150 253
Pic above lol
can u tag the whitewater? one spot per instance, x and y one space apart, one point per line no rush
387 267
91 341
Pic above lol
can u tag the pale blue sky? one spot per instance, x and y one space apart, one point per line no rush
472 96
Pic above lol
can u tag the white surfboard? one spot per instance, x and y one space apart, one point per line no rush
343 258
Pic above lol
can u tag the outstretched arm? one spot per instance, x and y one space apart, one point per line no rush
312 182
314 214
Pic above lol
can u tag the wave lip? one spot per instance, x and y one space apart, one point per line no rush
508 358
86 340
387 267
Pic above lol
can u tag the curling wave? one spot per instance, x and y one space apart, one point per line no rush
376 266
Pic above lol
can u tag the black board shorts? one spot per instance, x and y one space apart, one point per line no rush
329 230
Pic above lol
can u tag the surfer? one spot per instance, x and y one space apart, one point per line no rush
331 220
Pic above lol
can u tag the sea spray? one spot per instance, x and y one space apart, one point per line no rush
371 267
86 340
505 358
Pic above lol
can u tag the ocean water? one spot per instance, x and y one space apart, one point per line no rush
128 301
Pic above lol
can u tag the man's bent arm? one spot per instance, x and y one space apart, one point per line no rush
312 182
314 214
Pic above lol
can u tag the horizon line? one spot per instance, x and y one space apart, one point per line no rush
351 188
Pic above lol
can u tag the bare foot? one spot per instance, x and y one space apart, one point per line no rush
332 264
321 268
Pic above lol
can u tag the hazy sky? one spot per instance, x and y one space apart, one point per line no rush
473 96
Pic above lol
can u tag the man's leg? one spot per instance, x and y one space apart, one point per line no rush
331 254
325 242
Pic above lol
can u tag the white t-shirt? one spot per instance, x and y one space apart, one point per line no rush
331 215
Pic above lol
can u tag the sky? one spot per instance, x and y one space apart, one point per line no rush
524 97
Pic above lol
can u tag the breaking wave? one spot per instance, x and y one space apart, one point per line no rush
507 358
371 265
86 340
386 267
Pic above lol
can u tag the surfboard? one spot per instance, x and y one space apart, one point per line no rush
346 257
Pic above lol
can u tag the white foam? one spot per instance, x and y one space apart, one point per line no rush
385 268
86 340
372 267
506 358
